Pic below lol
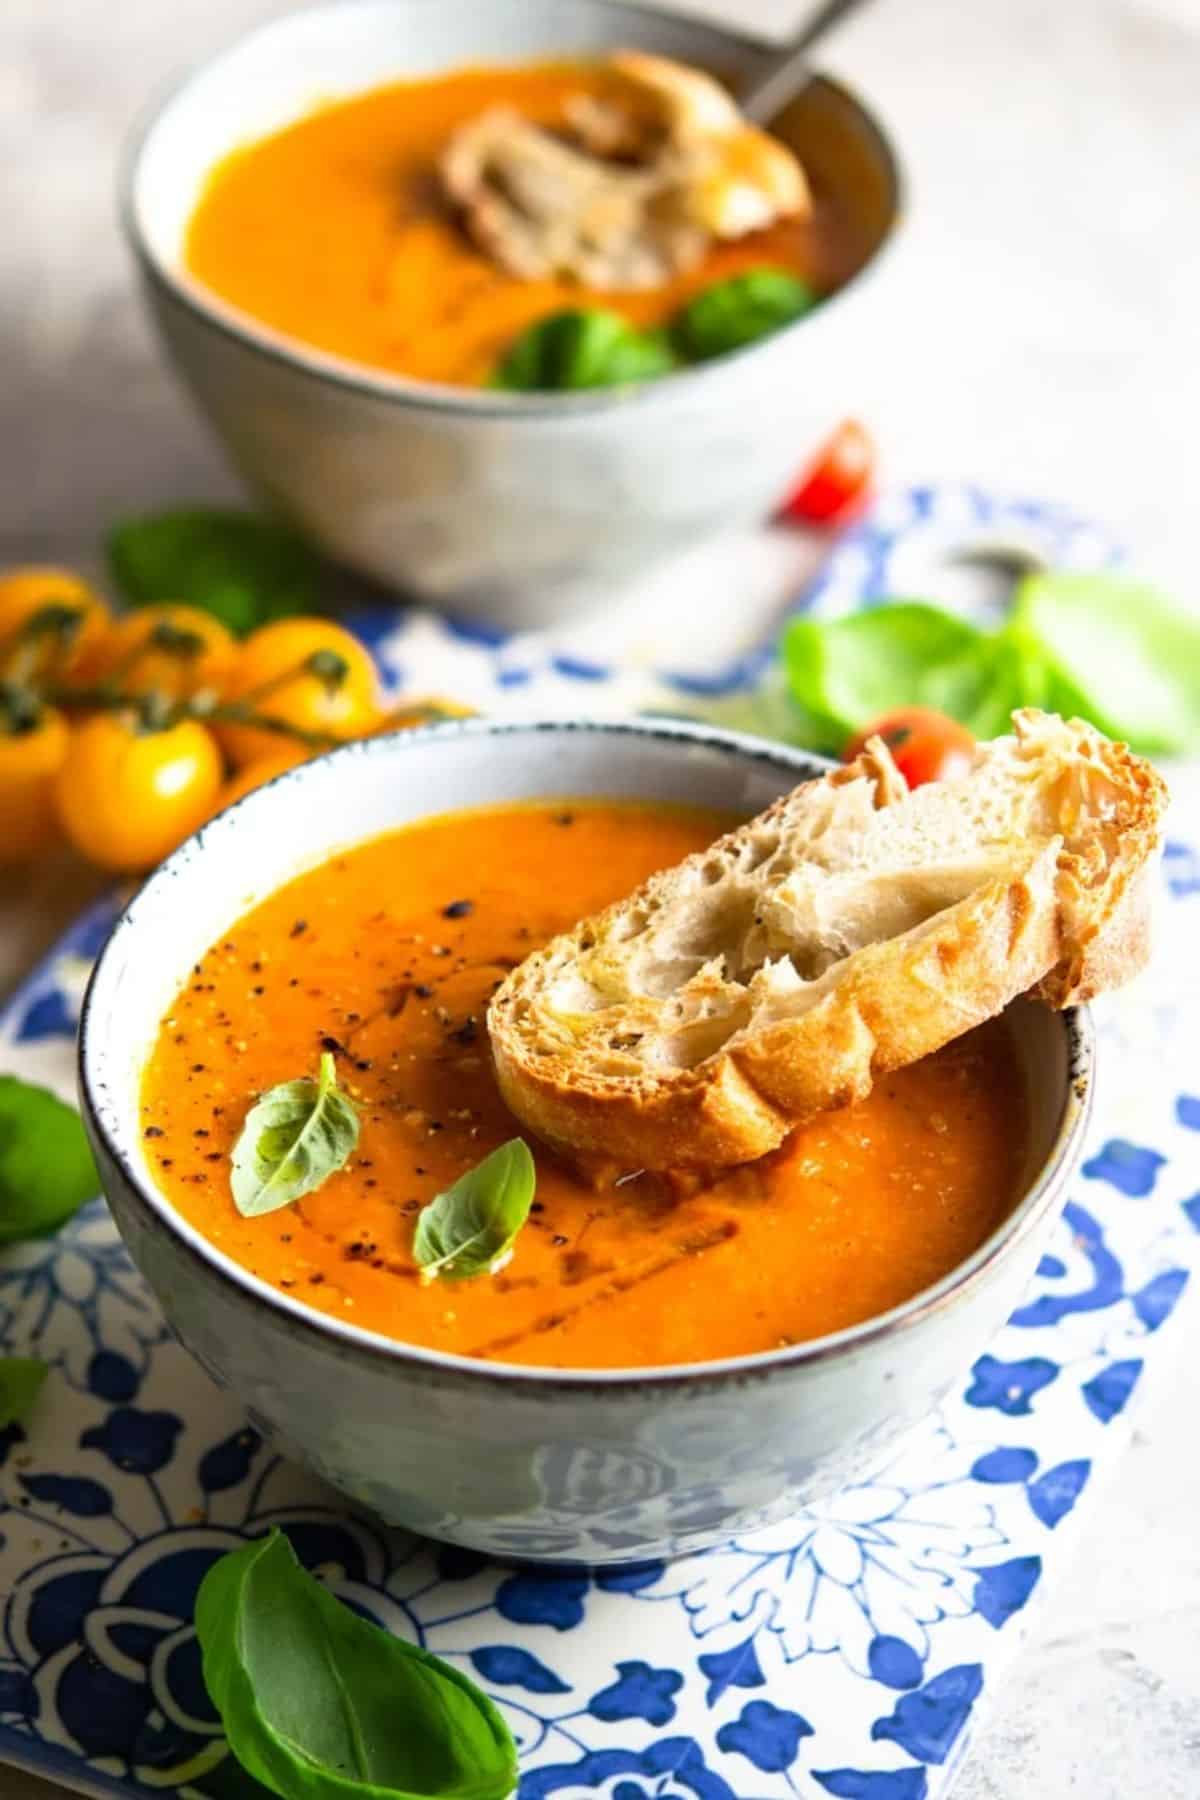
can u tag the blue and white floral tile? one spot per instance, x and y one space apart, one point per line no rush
847 1652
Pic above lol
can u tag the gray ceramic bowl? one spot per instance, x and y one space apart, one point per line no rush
517 509
601 1467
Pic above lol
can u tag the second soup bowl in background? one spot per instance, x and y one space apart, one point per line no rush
518 509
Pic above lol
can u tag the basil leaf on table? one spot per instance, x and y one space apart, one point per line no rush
319 1704
469 1229
243 569
582 349
46 1168
1132 658
739 311
292 1140
21 1379
855 669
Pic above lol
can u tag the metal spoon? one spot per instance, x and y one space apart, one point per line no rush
789 70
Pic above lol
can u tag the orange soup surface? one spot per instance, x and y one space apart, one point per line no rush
334 231
387 955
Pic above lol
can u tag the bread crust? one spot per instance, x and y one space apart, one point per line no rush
1065 917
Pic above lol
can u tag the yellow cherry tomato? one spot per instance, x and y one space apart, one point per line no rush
65 654
169 649
127 796
257 773
279 674
30 760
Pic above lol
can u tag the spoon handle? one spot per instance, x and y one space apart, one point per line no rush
789 69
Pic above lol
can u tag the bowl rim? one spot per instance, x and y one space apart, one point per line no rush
354 1341
210 309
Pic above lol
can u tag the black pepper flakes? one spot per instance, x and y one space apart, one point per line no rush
458 909
299 927
153 1131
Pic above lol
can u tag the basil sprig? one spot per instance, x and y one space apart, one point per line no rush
21 1379
292 1140
470 1228
733 313
243 569
1096 645
582 347
591 347
318 1704
46 1168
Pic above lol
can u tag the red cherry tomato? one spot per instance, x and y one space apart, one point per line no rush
838 483
925 745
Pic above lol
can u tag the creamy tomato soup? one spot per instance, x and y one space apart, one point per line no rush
386 956
334 232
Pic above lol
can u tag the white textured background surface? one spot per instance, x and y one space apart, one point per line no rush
1042 334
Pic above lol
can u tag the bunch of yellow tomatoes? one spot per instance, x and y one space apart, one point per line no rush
124 733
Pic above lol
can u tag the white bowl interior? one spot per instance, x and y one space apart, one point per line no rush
308 58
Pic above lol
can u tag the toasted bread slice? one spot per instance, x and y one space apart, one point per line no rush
850 929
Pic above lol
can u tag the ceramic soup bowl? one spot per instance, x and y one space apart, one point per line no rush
536 1464
516 508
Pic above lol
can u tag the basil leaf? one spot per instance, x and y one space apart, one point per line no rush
736 312
243 569
292 1140
469 1229
1097 646
582 349
21 1379
907 654
46 1168
1130 658
318 1703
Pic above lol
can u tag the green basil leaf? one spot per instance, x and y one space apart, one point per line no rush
292 1140
583 349
243 569
1126 657
469 1229
740 310
853 670
320 1705
46 1168
21 1379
